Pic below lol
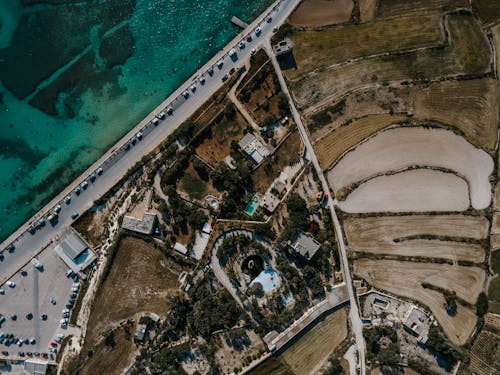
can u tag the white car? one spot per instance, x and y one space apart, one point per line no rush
241 45
258 30
11 284
252 51
64 321
193 87
67 199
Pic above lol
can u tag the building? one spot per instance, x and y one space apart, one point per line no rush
305 245
180 248
283 47
75 252
270 202
417 323
144 226
141 332
254 148
34 367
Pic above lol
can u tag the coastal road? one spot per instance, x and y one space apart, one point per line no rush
355 318
117 161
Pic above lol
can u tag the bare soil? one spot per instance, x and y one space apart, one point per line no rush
416 190
400 148
142 279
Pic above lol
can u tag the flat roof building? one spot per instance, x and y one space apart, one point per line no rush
144 226
254 148
75 252
283 47
305 245
417 322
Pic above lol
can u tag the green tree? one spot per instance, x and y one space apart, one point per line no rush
482 304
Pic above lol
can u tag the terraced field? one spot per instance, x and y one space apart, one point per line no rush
394 8
316 49
468 52
472 106
401 148
416 190
406 278
435 236
330 148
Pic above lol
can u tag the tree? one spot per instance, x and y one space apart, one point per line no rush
283 104
482 304
450 302
109 340
230 111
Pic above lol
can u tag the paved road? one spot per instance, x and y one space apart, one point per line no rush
357 325
117 161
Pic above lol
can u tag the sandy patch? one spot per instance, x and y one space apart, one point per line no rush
495 241
496 38
405 278
418 190
315 13
495 226
397 149
367 9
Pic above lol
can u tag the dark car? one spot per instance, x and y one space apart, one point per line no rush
231 72
224 78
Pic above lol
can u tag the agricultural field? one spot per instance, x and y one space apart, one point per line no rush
435 236
406 278
336 143
141 279
319 49
311 351
485 353
416 190
401 148
468 52
216 142
472 106
395 8
488 10
317 13
495 31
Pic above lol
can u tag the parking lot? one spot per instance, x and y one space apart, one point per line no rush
36 292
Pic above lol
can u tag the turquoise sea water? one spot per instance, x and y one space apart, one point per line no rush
76 75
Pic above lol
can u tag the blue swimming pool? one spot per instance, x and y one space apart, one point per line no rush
252 206
269 279
82 257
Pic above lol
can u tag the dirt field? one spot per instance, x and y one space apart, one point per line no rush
392 8
316 13
495 226
472 106
331 147
287 154
311 351
141 279
468 52
228 358
367 9
495 241
417 190
418 235
106 360
405 371
488 10
400 148
217 145
193 186
405 279
485 353
315 49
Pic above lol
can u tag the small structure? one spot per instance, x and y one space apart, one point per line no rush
201 241
283 47
75 252
33 367
305 245
154 317
180 248
141 332
278 187
144 226
254 148
417 323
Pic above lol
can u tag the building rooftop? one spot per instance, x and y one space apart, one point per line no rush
305 245
75 252
417 322
144 226
283 47
34 367
254 148
141 332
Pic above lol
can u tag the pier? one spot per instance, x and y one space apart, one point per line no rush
241 24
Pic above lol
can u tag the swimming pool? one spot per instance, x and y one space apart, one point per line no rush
82 257
269 279
252 206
